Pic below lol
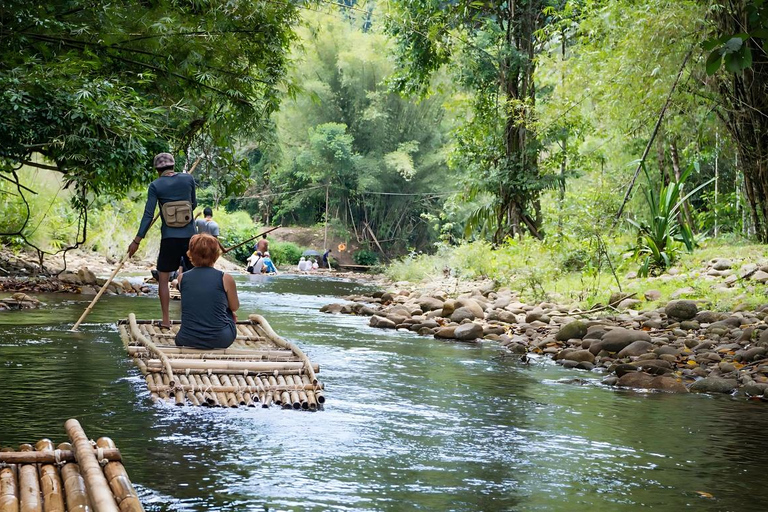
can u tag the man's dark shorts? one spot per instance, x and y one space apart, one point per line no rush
172 252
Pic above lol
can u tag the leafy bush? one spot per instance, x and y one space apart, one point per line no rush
365 257
660 237
284 253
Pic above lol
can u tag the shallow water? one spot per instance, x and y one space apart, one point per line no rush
410 423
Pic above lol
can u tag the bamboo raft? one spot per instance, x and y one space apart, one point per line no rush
77 476
259 368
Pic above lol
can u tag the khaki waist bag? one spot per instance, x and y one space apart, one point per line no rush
177 214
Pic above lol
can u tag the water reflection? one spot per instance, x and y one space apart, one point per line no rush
410 423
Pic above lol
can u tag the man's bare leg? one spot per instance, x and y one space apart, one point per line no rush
165 295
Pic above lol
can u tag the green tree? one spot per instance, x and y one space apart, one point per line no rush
400 174
491 48
97 87
737 59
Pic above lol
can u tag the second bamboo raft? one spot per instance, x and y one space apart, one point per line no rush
78 476
259 369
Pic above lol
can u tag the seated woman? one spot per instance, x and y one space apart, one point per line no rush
208 299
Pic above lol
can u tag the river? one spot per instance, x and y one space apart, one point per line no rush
410 423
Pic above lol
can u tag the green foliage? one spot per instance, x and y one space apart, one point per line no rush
660 236
98 87
234 228
285 253
365 257
371 147
491 53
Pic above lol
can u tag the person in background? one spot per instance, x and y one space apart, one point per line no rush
326 264
209 299
315 266
263 245
175 192
268 265
302 265
255 263
207 225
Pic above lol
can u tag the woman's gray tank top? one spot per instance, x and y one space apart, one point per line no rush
206 321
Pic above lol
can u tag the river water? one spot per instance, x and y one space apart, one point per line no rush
410 423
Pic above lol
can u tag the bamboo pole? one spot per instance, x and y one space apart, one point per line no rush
285 397
231 400
122 489
117 269
246 394
221 388
29 485
74 485
169 366
97 486
48 456
9 488
225 251
310 394
191 353
150 345
277 340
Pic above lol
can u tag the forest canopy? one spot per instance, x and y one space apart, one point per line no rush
405 123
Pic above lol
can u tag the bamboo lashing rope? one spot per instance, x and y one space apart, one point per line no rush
151 346
117 269
98 489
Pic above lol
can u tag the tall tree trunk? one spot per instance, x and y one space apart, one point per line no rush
745 96
519 192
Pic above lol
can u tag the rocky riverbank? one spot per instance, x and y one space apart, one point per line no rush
680 347
83 272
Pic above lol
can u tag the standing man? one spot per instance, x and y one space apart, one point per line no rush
176 194
326 264
207 226
263 245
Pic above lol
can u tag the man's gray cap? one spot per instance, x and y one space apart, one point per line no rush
163 160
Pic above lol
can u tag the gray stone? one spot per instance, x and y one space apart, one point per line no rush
681 309
616 339
689 325
652 295
760 276
468 332
331 308
683 292
472 305
641 380
71 278
747 270
573 330
381 322
86 276
446 332
750 354
635 348
429 303
576 355
707 317
617 297
461 314
722 264
714 385
756 388
628 303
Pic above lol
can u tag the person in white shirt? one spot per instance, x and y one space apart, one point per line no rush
255 263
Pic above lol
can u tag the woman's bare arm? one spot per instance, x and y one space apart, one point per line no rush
231 289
